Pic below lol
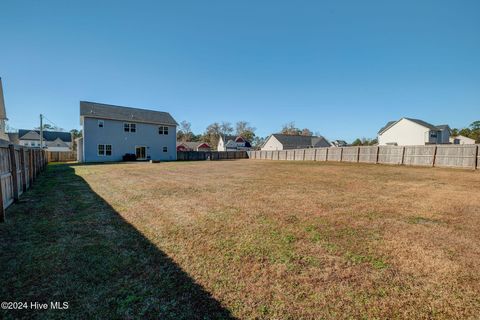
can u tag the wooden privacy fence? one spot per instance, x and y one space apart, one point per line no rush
19 167
450 156
210 155
61 156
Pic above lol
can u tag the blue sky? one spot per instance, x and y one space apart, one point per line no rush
342 68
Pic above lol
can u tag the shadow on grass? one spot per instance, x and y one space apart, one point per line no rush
62 242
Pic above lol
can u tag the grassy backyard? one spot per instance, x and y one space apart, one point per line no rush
245 239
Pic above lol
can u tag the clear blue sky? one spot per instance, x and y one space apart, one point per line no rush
342 68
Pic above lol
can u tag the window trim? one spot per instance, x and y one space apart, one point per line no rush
163 130
104 154
130 127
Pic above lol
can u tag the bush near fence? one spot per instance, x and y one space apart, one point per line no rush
210 155
451 156
19 167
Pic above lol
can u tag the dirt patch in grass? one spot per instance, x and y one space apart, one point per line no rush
250 239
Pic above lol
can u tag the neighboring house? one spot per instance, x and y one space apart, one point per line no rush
461 140
339 143
110 132
193 146
407 131
279 141
233 143
52 140
3 116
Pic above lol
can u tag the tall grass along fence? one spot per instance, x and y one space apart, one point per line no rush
449 156
210 155
61 156
19 167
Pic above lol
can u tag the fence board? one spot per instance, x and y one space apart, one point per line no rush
299 154
350 154
368 154
213 155
419 155
310 154
390 154
456 156
321 154
334 154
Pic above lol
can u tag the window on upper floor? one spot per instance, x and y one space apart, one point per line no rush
165 149
100 123
129 127
163 130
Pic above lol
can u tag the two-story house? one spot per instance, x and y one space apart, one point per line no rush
408 131
110 132
233 143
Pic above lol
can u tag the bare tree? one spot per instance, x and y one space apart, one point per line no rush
243 128
185 131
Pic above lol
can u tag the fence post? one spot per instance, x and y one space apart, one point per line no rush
477 155
22 165
2 209
403 156
315 154
434 156
304 151
326 155
358 154
378 153
341 154
13 166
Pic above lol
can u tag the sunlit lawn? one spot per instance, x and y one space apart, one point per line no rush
247 239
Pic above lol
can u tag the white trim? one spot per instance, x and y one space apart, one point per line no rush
141 146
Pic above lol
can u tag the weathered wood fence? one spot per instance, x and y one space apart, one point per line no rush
450 156
57 156
19 167
210 155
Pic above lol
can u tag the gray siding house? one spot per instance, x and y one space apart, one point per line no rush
110 132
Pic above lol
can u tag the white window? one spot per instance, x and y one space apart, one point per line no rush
129 127
104 149
100 123
163 130
165 149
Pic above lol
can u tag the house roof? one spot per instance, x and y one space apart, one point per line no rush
13 137
107 111
192 144
3 112
417 121
234 138
299 141
25 134
57 143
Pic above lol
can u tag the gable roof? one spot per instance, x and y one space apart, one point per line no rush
25 134
3 112
417 121
13 137
112 112
234 138
299 141
57 143
192 144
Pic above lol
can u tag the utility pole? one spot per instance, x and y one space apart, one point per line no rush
41 131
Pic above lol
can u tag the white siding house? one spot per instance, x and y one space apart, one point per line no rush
461 140
110 132
279 141
233 143
407 131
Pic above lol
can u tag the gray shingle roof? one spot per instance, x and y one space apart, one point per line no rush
107 111
299 141
47 135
